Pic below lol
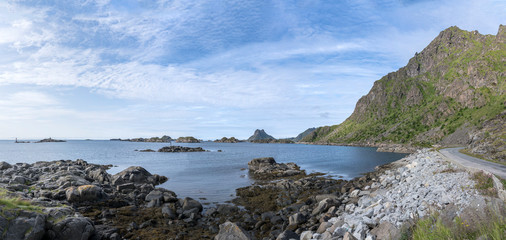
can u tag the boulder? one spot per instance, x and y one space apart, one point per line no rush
4 165
154 195
386 230
259 163
230 231
190 203
85 193
134 174
267 168
78 228
227 209
18 180
296 219
324 205
306 235
100 175
348 236
26 225
288 235
168 212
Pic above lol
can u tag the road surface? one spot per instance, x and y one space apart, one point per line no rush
472 162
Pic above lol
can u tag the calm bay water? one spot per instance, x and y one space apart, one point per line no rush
212 175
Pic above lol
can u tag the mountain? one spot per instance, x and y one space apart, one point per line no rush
303 134
260 135
452 92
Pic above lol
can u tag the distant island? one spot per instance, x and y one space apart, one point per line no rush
227 140
165 138
46 140
260 136
187 140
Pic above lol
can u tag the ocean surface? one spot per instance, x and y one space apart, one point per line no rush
211 176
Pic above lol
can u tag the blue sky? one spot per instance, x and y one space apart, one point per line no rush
102 69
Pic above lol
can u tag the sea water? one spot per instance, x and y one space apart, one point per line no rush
212 176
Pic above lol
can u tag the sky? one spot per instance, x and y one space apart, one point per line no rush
104 69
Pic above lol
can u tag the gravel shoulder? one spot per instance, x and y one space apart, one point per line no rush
473 163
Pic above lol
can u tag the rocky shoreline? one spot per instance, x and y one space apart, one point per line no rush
79 200
381 147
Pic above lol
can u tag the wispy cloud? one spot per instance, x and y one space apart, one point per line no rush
245 64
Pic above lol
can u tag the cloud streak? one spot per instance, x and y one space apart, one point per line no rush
303 63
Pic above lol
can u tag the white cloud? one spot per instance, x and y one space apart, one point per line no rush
129 54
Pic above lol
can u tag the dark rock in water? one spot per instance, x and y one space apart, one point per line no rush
147 150
181 149
267 168
229 230
260 135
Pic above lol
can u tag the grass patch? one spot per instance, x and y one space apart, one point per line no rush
466 152
8 202
432 228
484 184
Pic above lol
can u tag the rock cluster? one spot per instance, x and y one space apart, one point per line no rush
398 197
375 206
267 168
78 200
181 149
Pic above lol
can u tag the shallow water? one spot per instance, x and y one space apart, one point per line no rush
213 175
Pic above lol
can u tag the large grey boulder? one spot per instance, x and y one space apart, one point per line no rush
99 174
85 193
324 205
24 225
267 168
259 163
78 228
230 231
189 203
4 165
137 175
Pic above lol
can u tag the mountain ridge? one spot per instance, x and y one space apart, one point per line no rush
446 94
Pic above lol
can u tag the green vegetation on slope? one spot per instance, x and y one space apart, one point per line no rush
457 81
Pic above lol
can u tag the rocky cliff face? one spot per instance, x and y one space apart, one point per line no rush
445 94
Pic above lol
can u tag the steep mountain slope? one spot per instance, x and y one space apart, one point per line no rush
303 134
445 94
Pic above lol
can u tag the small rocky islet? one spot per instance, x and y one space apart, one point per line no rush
80 200
174 149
